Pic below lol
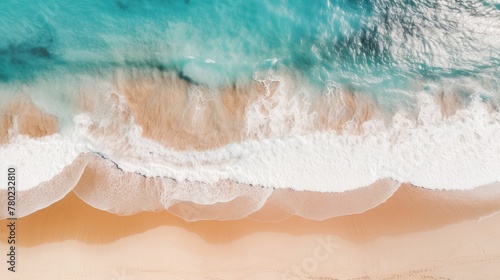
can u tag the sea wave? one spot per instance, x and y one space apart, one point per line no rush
155 141
101 184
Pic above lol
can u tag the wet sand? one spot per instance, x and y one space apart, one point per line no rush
21 116
415 234
411 236
184 116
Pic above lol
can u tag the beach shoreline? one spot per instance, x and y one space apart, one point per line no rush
383 242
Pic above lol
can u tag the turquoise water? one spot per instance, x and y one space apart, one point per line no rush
377 46
70 55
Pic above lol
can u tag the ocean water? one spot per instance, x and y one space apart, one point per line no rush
363 44
221 102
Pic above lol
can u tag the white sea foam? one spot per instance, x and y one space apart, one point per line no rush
459 152
279 112
37 160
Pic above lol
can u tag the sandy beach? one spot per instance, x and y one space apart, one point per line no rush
383 231
192 140
411 236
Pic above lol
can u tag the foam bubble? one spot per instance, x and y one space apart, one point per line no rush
47 192
289 146
37 159
104 186
286 151
322 206
279 112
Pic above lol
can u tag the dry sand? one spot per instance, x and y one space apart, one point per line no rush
411 236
